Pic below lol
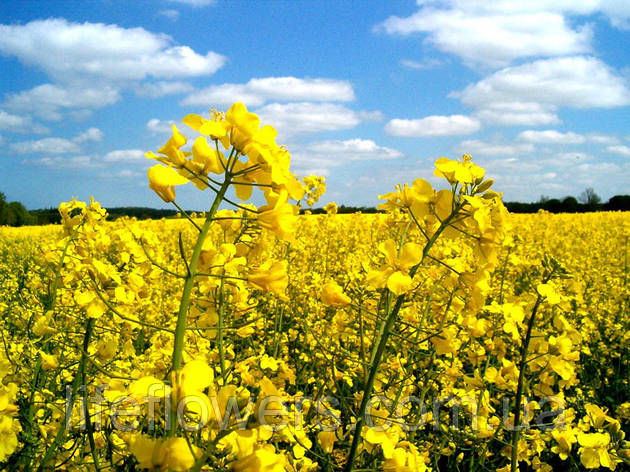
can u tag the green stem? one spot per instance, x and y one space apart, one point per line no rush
184 305
75 388
49 304
86 408
382 344
519 388
220 331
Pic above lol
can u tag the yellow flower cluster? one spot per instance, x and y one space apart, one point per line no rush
440 334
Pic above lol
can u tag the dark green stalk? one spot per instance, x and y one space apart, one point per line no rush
519 388
180 328
382 344
74 390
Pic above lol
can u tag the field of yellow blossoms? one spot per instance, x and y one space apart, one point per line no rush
441 334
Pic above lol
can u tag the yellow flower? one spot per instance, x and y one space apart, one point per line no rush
278 216
395 273
8 438
465 172
143 448
49 361
162 180
176 455
208 159
270 277
244 125
172 150
332 294
331 208
565 439
326 440
264 459
549 293
594 450
216 128
406 458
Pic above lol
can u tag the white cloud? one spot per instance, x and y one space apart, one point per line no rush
256 92
48 100
302 118
91 134
57 145
156 126
620 150
162 88
115 157
483 148
20 124
518 114
577 82
492 37
427 63
9 121
97 50
172 15
315 157
75 162
194 3
45 146
122 174
550 137
433 126
561 159
370 116
602 138
124 155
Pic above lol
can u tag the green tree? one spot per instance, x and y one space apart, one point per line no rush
589 197
3 206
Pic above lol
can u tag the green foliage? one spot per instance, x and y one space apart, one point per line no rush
14 213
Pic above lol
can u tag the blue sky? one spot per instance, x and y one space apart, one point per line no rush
367 93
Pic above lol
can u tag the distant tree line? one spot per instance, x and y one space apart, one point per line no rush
343 209
588 200
51 215
15 214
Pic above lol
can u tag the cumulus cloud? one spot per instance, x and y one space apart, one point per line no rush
162 88
45 146
492 37
518 114
171 14
303 118
621 150
433 126
194 3
602 138
20 124
551 137
484 148
156 126
97 50
75 162
576 82
124 155
427 63
319 156
116 157
121 174
91 134
256 92
48 100
57 145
